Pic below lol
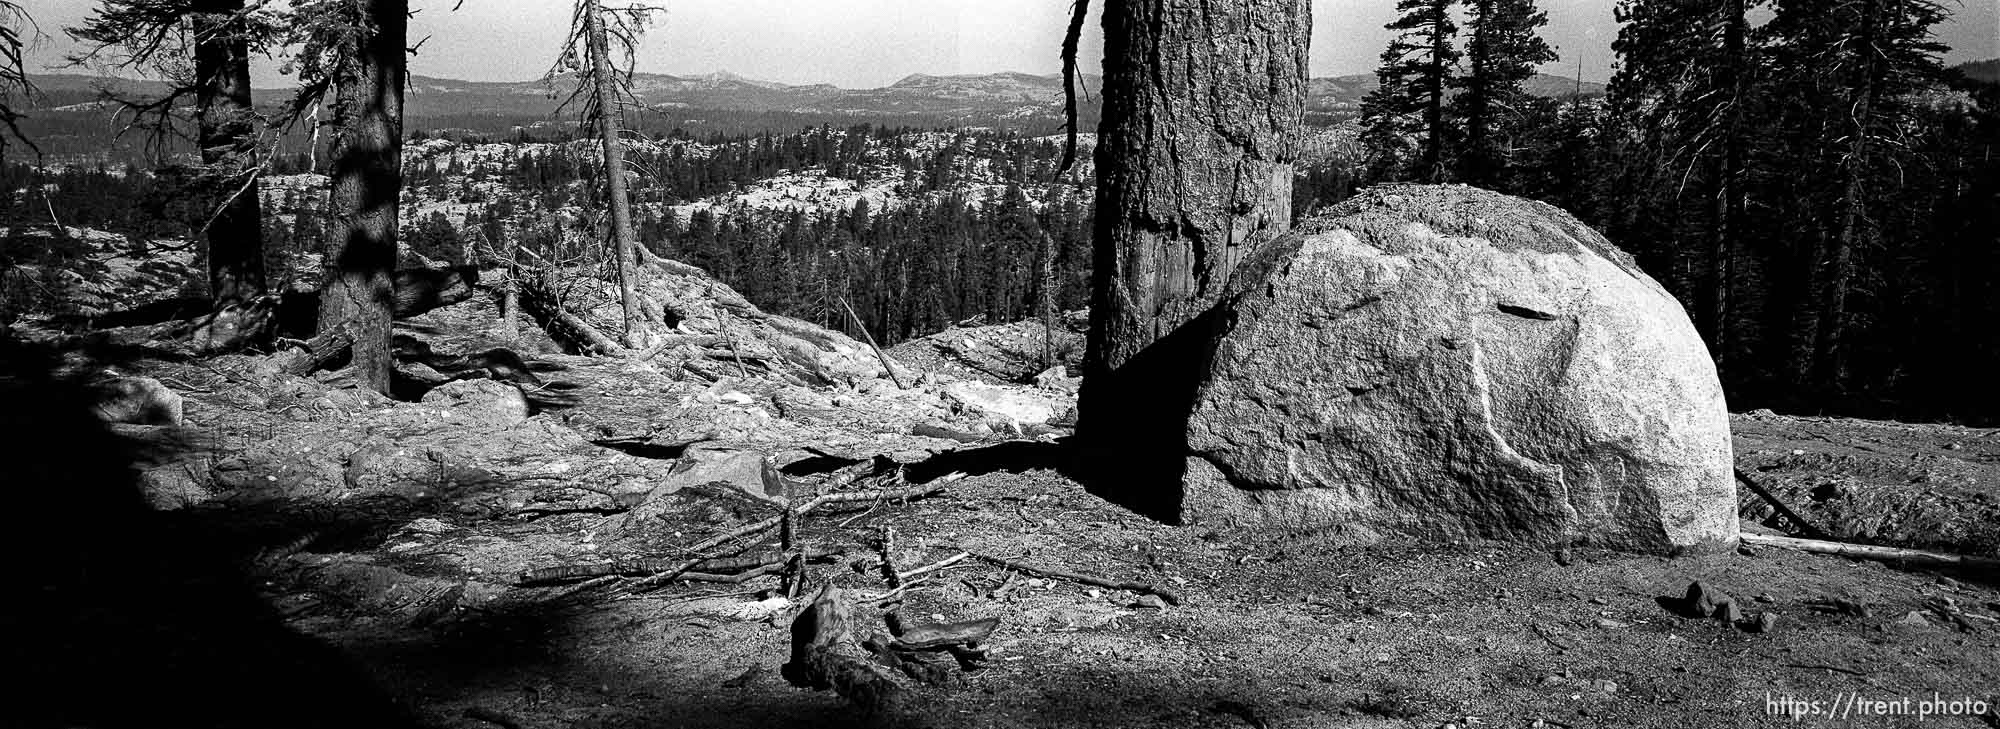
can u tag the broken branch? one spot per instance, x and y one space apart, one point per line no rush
1169 596
1805 527
1869 551
898 379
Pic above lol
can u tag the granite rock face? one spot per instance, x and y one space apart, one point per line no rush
1452 364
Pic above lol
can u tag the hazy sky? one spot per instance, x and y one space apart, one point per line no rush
867 43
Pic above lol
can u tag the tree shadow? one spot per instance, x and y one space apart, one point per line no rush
123 619
1136 451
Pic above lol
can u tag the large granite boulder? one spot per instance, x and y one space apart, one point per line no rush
1452 364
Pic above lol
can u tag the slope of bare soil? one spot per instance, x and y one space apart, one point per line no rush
1879 482
1275 632
398 533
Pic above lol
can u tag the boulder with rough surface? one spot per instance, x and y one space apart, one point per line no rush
1452 364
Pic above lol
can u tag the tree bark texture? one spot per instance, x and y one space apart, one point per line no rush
609 130
359 292
1202 103
227 128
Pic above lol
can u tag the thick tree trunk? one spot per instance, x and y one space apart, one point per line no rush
359 292
608 130
1202 103
227 129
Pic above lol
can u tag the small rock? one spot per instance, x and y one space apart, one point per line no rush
1373 610
1609 624
1729 612
1948 583
138 401
1563 558
1703 600
1606 685
1599 601
1149 602
1914 618
1954 446
746 678
1765 623
489 401
1745 550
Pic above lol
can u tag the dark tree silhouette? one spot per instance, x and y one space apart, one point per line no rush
359 49
1503 51
218 36
1415 78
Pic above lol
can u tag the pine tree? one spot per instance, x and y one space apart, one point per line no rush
218 36
358 49
14 85
1503 51
1853 69
589 51
1684 86
1415 77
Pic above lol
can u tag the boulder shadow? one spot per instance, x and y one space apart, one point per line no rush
1132 449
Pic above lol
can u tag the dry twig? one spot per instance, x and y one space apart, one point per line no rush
1169 596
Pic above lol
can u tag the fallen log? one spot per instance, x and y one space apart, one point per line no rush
827 654
542 301
1169 596
734 579
1869 551
886 364
759 527
314 354
649 566
943 636
925 430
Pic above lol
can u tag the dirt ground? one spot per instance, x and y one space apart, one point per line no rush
418 589
1278 632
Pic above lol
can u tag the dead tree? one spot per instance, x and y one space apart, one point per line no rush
602 92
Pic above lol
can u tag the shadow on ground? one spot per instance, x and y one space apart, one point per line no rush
121 620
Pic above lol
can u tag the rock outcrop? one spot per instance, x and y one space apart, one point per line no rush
1451 364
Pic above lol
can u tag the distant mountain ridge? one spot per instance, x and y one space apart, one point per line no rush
965 96
1987 70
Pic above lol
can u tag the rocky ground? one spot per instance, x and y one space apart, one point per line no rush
399 532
